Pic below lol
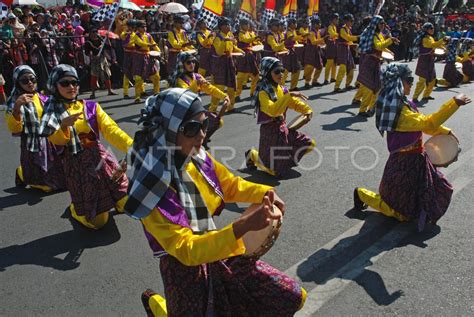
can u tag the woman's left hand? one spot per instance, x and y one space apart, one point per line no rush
276 200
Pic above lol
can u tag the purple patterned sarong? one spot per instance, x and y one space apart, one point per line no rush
412 186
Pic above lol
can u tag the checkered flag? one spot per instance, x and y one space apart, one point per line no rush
267 15
292 15
107 12
244 15
210 17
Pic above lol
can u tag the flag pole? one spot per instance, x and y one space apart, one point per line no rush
109 29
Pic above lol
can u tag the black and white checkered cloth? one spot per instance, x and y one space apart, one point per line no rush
210 17
153 160
391 98
242 15
107 12
266 65
266 17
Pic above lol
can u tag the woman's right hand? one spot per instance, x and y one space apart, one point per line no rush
462 100
256 220
70 120
23 100
298 95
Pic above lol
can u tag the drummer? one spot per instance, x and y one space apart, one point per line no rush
128 43
303 36
280 149
275 41
344 54
331 49
223 66
205 38
197 260
467 54
452 77
372 44
425 67
143 65
177 42
247 66
313 62
290 60
185 77
411 187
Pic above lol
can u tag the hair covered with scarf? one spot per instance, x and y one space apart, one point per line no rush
367 37
153 156
180 67
267 64
17 90
391 98
420 36
55 111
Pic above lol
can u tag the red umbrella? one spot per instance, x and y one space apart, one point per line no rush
110 35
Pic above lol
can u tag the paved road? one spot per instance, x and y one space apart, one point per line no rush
350 264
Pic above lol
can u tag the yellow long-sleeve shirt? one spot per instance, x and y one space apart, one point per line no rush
16 126
107 127
332 31
227 45
345 34
432 124
143 40
303 33
247 37
131 42
192 249
179 42
283 102
277 46
429 42
204 39
380 43
315 38
291 35
204 86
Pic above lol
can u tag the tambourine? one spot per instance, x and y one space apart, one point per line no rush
388 56
257 48
440 51
257 243
155 53
442 150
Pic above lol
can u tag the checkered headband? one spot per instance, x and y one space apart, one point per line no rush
179 69
391 98
266 65
367 37
153 160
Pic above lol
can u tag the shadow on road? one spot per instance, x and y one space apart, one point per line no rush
60 251
340 109
21 196
344 124
337 262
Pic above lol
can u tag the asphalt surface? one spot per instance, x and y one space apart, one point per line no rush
354 264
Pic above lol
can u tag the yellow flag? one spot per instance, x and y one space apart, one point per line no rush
290 6
250 7
215 6
313 7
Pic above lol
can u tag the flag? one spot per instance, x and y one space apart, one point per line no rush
145 3
107 12
248 9
290 10
6 3
268 13
211 11
313 8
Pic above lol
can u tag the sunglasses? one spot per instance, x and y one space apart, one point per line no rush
67 83
278 71
191 128
190 62
27 80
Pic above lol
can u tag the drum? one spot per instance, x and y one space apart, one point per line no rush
192 51
458 65
388 56
442 150
282 53
237 54
440 51
155 53
257 243
298 45
298 122
257 48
